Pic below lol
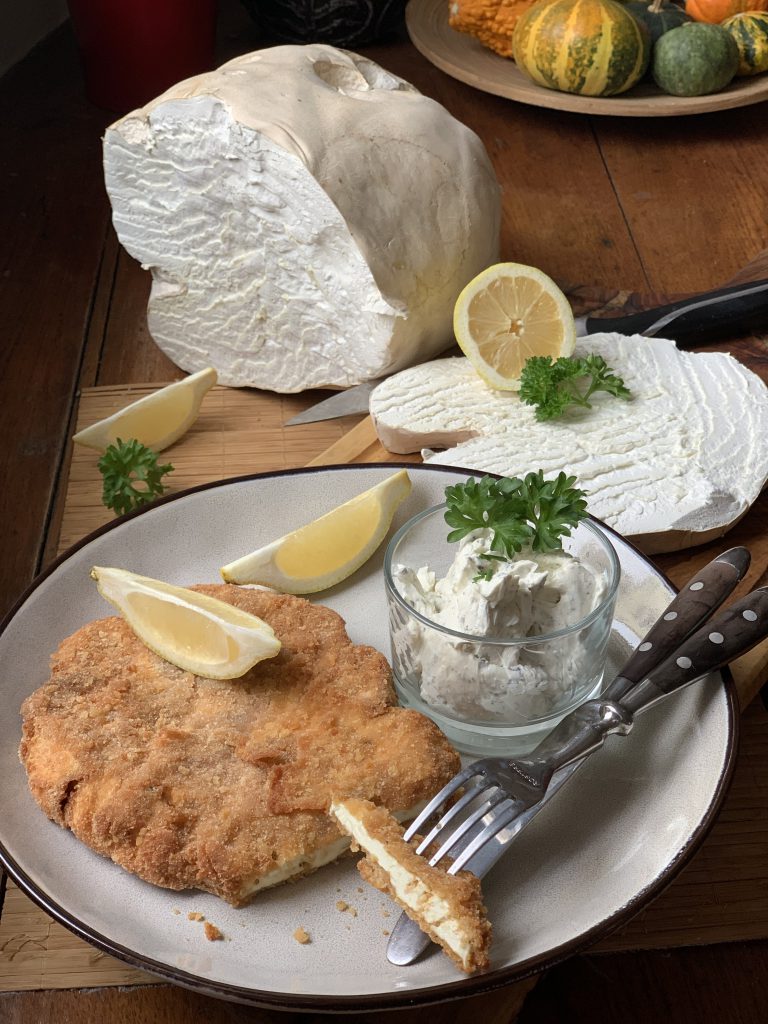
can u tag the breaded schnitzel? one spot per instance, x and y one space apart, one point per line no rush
223 786
449 908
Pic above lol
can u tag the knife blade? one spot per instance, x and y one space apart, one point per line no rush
687 612
343 403
694 321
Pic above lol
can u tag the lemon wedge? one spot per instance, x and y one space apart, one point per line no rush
327 550
507 314
156 420
193 631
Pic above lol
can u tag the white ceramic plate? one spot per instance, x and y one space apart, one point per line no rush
588 862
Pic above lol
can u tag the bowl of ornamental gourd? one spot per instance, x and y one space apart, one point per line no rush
466 59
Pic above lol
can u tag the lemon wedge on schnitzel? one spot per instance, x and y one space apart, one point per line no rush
327 550
195 632
157 420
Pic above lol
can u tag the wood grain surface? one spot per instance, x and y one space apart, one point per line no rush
646 206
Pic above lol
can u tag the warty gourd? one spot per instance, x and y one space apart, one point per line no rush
309 218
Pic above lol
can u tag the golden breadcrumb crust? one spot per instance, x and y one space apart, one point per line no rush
191 782
460 891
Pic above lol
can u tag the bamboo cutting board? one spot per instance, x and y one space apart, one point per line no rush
721 896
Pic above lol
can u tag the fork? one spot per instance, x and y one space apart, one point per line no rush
496 797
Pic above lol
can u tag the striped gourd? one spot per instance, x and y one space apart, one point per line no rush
589 47
750 31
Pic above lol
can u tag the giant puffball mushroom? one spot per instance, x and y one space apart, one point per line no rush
309 219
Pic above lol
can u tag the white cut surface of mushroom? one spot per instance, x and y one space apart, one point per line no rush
675 466
308 218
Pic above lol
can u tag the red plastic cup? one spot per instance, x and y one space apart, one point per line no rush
133 50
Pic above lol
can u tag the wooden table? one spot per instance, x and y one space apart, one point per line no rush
669 206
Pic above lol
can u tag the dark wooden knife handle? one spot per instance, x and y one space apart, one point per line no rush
730 634
701 318
696 602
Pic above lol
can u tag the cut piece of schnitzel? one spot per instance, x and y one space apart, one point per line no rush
224 785
449 908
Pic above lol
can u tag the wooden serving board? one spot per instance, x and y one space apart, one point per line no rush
721 896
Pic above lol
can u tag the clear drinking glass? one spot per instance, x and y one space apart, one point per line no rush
541 678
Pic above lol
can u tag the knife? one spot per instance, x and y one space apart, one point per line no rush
690 609
695 321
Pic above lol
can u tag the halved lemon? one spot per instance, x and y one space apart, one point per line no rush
327 550
193 631
507 314
157 420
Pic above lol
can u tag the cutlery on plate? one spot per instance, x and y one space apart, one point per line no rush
689 322
500 797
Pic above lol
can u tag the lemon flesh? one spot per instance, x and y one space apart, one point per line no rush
507 314
327 550
195 632
157 420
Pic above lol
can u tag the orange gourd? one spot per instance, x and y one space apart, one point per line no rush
715 11
492 22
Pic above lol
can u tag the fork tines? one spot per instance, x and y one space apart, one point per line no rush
482 810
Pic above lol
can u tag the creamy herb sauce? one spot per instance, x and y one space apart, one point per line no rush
531 595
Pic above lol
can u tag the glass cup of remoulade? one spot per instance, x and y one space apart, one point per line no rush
496 652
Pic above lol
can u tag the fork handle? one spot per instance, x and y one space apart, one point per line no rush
698 599
730 634
578 734
585 729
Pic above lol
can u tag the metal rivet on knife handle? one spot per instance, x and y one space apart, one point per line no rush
698 599
729 635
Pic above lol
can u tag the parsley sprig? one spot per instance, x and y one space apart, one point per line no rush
570 380
519 512
131 474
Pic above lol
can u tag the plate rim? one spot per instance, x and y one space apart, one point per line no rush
742 92
462 987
